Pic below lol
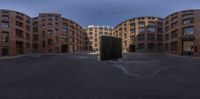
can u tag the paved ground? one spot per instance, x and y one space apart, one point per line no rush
81 76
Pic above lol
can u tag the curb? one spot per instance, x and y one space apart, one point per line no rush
11 57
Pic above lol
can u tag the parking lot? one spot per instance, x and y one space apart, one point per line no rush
82 76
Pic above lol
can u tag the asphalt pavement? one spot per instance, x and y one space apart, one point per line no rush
82 76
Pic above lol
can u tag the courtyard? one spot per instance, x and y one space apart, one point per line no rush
82 76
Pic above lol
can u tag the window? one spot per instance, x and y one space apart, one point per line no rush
56 29
18 23
43 33
28 22
175 24
106 29
174 34
5 36
167 29
159 30
166 46
141 37
187 21
174 46
35 46
151 46
151 37
5 11
106 33
160 47
188 31
100 33
5 17
141 47
50 24
151 29
187 15
90 29
95 44
141 30
50 42
5 24
159 37
132 30
43 43
100 28
35 23
174 19
28 36
152 24
95 39
90 33
64 38
19 17
27 45
65 29
132 38
132 24
56 39
141 24
167 37
50 32
27 28
19 33
35 37
166 22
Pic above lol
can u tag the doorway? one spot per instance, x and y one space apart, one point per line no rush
132 48
188 48
19 48
4 51
64 48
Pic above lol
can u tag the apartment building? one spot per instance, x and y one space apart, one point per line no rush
182 33
53 33
15 33
141 34
178 33
94 34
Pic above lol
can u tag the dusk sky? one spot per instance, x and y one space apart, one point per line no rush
100 12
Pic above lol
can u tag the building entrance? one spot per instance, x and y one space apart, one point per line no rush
188 48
